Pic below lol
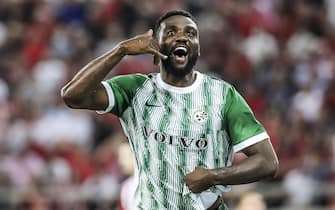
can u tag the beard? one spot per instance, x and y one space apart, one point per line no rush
170 66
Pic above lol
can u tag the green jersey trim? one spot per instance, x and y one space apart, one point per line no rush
250 141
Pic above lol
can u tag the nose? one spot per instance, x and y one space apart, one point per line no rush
181 39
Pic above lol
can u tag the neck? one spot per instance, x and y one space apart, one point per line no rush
174 80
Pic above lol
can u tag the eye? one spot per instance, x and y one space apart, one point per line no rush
170 33
190 33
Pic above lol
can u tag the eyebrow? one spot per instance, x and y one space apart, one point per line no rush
170 27
187 27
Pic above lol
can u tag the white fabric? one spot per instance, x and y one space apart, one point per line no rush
250 141
111 100
208 198
175 89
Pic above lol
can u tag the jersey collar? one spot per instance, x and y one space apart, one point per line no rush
187 89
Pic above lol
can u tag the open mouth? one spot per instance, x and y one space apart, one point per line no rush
180 54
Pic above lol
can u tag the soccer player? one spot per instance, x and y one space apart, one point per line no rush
183 126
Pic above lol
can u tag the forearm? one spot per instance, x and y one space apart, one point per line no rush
85 90
90 76
251 169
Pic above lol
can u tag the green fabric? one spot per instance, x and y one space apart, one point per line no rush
124 89
172 132
241 122
223 207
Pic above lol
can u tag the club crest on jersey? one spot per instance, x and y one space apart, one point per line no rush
199 116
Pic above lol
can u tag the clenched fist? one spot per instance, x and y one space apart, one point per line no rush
199 180
143 44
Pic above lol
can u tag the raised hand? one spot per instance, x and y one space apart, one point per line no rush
143 44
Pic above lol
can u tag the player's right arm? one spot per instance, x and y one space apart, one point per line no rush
85 90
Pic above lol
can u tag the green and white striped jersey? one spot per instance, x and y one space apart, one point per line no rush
174 129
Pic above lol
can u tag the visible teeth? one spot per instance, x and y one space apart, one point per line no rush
181 48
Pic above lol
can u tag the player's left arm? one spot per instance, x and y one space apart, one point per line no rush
248 136
261 162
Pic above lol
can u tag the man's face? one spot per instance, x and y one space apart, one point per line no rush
178 38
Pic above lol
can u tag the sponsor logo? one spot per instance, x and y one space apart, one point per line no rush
186 142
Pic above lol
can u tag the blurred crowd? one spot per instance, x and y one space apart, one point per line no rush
280 54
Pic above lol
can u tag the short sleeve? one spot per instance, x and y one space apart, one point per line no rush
243 128
121 90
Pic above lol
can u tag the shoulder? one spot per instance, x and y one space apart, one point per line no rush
129 81
132 77
221 88
215 80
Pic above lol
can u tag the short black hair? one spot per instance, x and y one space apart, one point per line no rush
170 14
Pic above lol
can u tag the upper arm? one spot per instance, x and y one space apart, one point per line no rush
113 95
242 126
266 152
263 148
120 91
95 99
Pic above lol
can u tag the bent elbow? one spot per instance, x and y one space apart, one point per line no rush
69 99
273 168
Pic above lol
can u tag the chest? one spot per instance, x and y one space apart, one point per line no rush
193 114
